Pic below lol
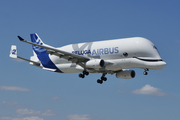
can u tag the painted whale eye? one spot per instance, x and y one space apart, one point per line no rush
155 47
125 54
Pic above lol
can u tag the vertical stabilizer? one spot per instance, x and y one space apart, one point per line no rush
41 53
36 39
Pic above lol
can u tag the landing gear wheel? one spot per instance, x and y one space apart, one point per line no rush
81 75
103 78
99 81
145 73
87 73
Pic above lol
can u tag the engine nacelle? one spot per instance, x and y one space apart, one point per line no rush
126 74
95 63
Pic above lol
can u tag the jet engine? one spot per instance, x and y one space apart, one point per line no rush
95 63
126 74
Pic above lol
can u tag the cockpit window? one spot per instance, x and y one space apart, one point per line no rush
155 48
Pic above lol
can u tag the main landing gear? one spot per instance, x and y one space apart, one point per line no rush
103 78
145 71
82 75
100 81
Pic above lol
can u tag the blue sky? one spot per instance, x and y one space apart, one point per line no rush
30 93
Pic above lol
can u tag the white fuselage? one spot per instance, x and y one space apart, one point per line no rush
118 54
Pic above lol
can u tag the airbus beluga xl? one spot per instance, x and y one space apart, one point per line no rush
105 57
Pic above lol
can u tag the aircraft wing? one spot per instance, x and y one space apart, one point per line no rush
60 53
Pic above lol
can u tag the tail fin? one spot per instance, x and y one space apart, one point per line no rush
13 52
36 39
41 53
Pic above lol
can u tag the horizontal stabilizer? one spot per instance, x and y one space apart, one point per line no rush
13 54
36 63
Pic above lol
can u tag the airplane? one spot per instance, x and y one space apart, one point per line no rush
106 57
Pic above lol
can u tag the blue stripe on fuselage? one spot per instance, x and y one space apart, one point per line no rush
46 61
42 54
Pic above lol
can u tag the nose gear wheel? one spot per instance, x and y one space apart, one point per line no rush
145 71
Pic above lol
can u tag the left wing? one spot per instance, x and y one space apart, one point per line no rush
80 60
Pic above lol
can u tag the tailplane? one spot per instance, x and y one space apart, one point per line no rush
33 60
13 52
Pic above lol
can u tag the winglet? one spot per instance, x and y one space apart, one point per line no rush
13 52
20 38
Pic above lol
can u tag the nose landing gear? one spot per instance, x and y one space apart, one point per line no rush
145 71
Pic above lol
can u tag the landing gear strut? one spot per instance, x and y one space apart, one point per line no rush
82 75
103 78
145 71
